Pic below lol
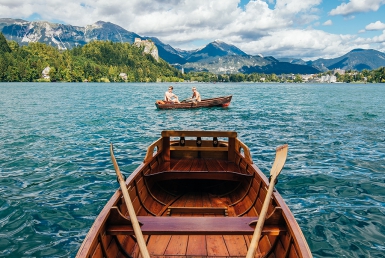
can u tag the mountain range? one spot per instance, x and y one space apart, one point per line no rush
216 57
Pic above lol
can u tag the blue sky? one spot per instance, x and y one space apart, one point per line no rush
307 29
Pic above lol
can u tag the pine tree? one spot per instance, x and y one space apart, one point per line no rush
4 48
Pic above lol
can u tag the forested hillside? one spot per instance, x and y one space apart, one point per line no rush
95 61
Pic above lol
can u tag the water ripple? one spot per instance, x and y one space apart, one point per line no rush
56 174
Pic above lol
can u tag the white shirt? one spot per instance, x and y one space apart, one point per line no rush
168 96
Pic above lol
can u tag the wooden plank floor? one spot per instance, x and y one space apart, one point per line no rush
199 245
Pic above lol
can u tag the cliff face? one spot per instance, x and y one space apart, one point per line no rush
149 47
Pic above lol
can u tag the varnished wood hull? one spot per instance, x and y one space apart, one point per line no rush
195 201
214 102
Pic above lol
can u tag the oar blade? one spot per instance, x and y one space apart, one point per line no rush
280 159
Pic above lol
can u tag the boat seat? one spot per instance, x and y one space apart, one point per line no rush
195 226
216 175
118 224
197 169
203 210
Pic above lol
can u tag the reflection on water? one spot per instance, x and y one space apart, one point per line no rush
56 174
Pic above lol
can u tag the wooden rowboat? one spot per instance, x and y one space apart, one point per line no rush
214 102
197 194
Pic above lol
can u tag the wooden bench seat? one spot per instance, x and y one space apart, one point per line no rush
217 175
194 226
204 210
196 165
204 169
118 224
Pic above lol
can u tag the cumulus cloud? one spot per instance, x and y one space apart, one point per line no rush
306 44
375 26
380 39
357 6
328 23
271 27
174 19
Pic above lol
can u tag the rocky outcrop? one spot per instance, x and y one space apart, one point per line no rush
149 47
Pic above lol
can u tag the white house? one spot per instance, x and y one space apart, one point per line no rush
329 78
123 76
45 73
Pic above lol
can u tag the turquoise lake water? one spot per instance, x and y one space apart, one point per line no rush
56 174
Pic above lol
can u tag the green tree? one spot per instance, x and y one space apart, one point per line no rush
13 45
298 78
4 47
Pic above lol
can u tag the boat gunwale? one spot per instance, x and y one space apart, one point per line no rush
102 217
288 216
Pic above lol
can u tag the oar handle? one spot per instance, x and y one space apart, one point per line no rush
130 208
261 221
280 158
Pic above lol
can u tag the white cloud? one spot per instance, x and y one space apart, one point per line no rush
271 27
306 44
375 26
328 23
189 17
357 6
380 39
165 17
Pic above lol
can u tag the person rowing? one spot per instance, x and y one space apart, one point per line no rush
196 97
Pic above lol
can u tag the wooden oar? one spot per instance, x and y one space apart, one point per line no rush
280 158
130 208
185 100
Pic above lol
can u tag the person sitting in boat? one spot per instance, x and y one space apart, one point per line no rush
171 97
196 97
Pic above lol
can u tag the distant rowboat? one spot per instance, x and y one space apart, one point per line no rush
214 102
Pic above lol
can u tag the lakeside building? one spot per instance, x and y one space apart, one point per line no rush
307 77
328 78
123 76
339 71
